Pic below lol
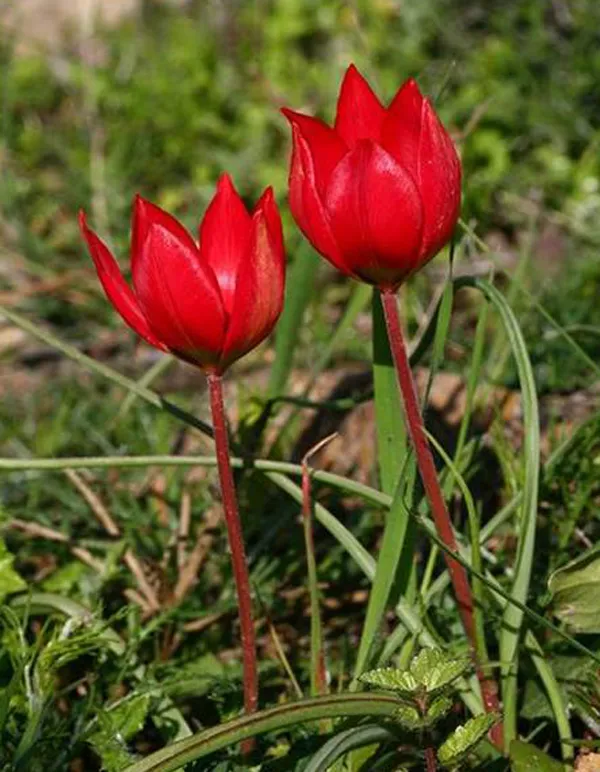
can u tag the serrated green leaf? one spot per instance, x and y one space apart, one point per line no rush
128 717
575 589
76 639
465 738
10 581
409 717
432 671
527 758
435 670
112 751
438 709
401 681
116 727
412 719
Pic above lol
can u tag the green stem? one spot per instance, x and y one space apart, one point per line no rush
318 678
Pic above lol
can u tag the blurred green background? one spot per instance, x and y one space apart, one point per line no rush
165 100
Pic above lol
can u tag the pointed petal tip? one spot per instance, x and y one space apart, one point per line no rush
225 183
268 197
408 96
267 205
353 73
291 115
142 208
360 112
97 248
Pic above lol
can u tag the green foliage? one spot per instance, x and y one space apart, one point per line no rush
430 673
424 691
115 727
29 700
464 738
525 757
414 720
575 592
10 580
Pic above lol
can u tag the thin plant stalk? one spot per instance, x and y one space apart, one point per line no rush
236 545
318 670
433 491
430 760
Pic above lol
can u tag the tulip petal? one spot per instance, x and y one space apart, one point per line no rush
326 147
360 114
307 205
258 293
224 237
439 183
376 215
178 295
117 290
266 204
401 129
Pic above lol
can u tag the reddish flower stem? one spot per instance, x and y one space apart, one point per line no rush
236 546
430 760
433 492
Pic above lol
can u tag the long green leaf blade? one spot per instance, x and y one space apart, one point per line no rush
200 745
512 620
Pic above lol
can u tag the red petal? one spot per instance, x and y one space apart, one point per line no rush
118 291
326 148
267 204
359 112
224 237
439 183
376 215
307 206
178 295
258 294
401 130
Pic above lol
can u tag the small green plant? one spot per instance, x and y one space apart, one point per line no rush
424 691
31 685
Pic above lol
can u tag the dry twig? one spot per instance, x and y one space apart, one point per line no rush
105 519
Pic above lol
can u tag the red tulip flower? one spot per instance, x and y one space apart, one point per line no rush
208 303
378 194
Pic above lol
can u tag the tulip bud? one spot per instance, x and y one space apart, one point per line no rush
378 194
208 303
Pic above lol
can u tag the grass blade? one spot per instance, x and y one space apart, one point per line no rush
513 616
396 527
299 287
211 740
99 368
389 422
405 611
442 328
344 742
